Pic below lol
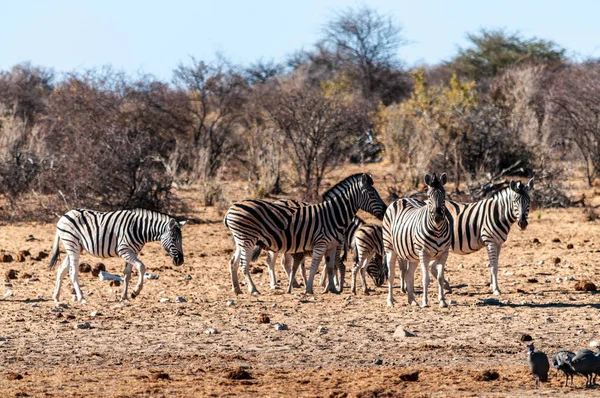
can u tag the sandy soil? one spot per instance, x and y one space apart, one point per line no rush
332 341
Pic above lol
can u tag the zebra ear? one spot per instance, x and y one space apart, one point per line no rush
366 180
173 223
428 180
182 223
530 185
444 178
513 186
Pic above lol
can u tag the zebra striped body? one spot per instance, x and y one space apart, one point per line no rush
367 247
418 234
486 223
319 228
120 233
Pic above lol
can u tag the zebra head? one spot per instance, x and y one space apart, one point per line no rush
377 270
171 241
520 201
436 205
369 199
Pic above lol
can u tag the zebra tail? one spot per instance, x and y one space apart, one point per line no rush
257 249
55 251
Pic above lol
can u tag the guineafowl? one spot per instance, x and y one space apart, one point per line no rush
587 364
560 361
539 365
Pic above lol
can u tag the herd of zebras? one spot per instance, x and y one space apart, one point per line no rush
412 231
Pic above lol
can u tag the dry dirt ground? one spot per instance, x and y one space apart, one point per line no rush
150 348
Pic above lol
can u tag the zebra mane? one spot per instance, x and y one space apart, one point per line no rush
152 213
508 191
344 184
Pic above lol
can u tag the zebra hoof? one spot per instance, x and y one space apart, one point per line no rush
424 305
443 304
133 295
497 292
366 292
390 302
237 290
413 303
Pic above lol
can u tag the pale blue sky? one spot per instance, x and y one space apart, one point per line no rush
154 36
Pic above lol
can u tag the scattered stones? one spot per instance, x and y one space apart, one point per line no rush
541 262
558 280
508 273
549 320
85 268
26 275
322 330
570 278
401 332
585 286
281 326
461 266
556 260
230 303
211 331
160 376
31 238
20 258
94 314
8 293
187 277
84 325
535 240
532 280
256 270
264 318
489 301
238 374
41 255
547 280
555 240
99 267
414 376
452 302
6 258
180 299
24 253
488 375
526 337
570 246
115 283
164 300
11 274
521 265
378 362
14 376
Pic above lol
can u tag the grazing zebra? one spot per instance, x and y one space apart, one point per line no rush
486 223
318 228
367 246
414 233
119 233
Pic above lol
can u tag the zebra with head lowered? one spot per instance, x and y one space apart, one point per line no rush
319 228
119 233
486 223
414 233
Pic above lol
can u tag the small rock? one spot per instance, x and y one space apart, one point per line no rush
488 375
521 265
556 240
264 318
570 278
180 299
35 305
508 273
556 260
281 326
549 320
115 283
230 303
26 275
505 302
14 376
42 255
274 305
85 268
238 374
94 314
526 337
6 258
593 343
164 300
401 332
8 293
378 362
11 274
84 325
99 267
558 280
585 286
150 276
187 277
541 262
322 330
535 240
547 280
20 258
570 246
532 280
506 318
490 301
211 331
414 376
160 376
461 266
452 302
256 270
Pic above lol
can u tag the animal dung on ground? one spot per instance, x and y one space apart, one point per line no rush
556 260
487 375
99 267
84 325
526 337
570 246
238 374
15 376
256 270
6 258
535 240
414 376
42 255
585 286
115 283
20 258
26 275
556 240
264 318
532 280
11 274
160 376
85 268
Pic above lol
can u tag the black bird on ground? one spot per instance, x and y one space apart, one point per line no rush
539 365
560 361
587 364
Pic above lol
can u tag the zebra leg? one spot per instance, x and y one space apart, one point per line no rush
424 260
317 256
303 271
342 270
233 268
287 262
62 271
363 274
245 266
126 280
493 251
391 262
324 276
354 270
440 262
271 259
403 266
410 282
434 274
141 271
332 277
298 259
74 263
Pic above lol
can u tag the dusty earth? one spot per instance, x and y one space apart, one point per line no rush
145 347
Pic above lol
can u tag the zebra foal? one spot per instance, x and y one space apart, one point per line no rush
367 247
109 234
318 228
414 233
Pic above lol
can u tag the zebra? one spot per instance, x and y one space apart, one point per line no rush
367 246
318 228
486 223
109 234
414 233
